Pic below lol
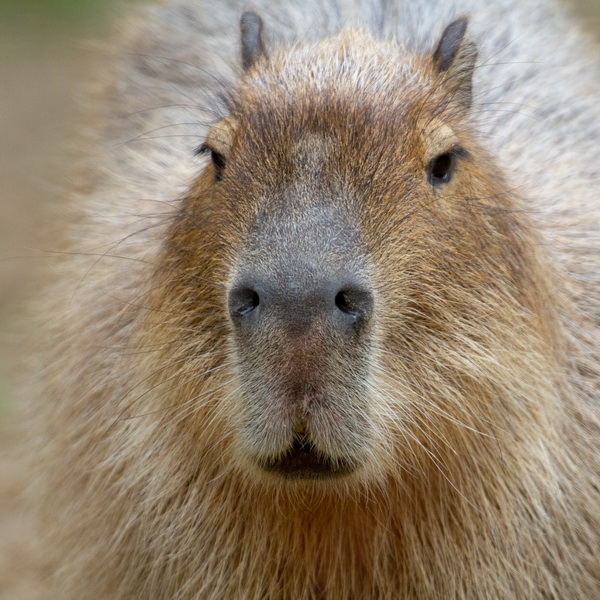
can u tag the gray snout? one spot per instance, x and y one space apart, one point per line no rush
300 299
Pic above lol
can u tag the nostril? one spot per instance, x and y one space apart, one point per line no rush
355 302
251 302
344 302
243 301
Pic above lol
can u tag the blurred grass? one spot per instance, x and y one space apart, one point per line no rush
65 12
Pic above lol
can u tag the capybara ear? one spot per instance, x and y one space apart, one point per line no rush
253 48
455 56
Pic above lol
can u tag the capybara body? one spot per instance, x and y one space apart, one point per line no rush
327 319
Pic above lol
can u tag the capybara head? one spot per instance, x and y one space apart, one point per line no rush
352 274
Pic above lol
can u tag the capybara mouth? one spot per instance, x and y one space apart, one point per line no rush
303 461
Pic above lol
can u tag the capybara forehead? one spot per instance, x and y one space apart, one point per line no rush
344 87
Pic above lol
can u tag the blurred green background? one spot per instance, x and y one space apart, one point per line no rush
42 60
65 10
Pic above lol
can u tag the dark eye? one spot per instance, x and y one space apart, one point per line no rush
218 160
440 168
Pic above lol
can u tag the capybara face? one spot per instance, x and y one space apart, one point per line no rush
361 243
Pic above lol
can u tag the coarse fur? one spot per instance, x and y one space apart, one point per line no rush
470 405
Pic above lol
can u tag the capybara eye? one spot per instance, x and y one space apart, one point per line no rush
440 168
218 161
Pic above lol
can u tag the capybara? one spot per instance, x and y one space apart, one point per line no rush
326 315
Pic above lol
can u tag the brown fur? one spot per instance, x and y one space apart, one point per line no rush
474 417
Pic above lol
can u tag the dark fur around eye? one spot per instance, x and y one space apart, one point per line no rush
441 168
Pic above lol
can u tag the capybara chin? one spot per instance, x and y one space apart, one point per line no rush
327 319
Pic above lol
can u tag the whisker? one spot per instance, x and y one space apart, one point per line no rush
175 407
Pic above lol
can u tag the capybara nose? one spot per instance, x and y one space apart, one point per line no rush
343 303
